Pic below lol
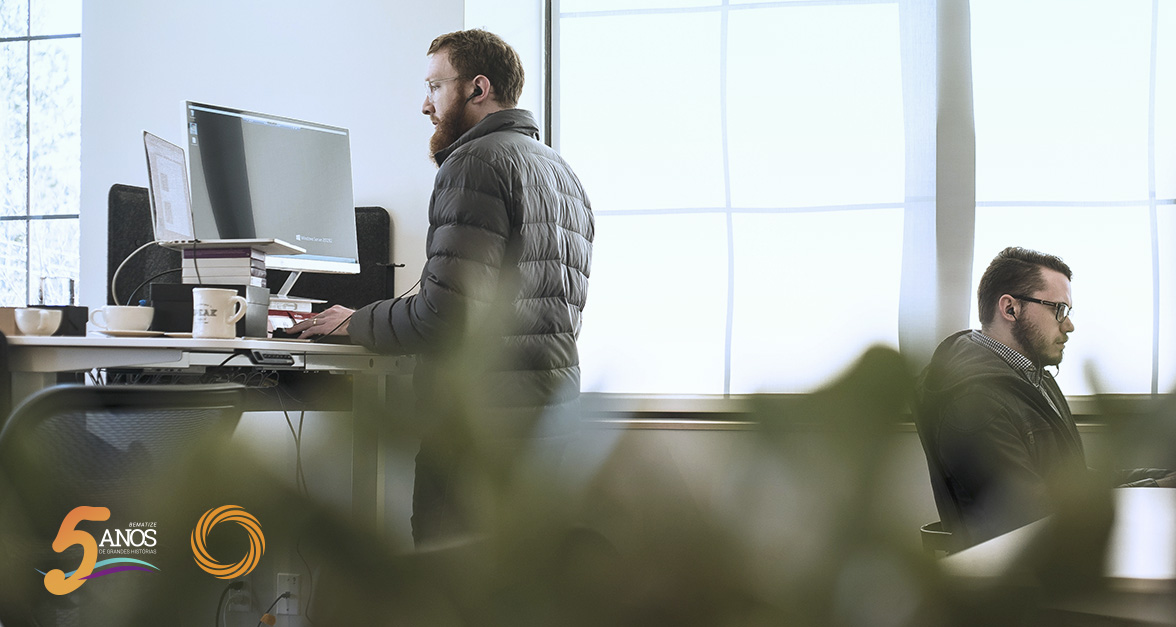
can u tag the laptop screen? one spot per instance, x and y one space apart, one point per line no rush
167 175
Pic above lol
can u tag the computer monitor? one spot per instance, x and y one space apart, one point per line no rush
258 175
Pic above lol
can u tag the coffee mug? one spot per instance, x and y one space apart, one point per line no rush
215 312
32 321
122 318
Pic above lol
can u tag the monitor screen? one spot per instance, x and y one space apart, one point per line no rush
255 175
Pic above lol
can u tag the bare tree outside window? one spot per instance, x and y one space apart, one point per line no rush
40 135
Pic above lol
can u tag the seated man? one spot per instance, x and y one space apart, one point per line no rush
995 426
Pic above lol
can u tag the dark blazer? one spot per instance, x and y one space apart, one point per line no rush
992 440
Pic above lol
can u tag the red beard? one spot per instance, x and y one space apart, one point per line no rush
448 130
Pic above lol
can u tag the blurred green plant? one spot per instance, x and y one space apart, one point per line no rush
801 537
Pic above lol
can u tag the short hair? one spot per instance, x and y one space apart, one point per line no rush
475 51
1017 272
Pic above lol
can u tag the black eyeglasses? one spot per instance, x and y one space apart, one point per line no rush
1061 310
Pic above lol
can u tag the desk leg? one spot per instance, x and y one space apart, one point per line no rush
369 409
25 384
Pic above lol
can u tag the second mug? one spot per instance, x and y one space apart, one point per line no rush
215 312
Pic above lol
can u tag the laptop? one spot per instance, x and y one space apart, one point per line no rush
171 204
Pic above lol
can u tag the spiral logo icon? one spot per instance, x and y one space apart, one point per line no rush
212 518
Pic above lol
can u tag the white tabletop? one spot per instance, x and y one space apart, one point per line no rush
40 354
1141 548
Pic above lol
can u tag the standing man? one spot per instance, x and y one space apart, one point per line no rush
995 427
497 316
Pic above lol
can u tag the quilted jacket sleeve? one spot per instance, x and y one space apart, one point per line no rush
469 226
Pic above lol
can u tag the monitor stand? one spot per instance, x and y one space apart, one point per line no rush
282 300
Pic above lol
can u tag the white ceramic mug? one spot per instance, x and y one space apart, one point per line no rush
122 318
33 321
214 314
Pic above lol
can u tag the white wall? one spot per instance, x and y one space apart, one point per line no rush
353 63
520 23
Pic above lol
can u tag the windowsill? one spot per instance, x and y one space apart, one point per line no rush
737 412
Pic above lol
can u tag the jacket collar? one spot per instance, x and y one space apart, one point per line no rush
512 120
1019 362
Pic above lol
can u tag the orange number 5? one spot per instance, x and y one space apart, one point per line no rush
68 536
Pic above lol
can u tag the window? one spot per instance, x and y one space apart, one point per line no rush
746 164
780 184
1076 155
40 123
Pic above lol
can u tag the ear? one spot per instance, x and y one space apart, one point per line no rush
481 83
1007 308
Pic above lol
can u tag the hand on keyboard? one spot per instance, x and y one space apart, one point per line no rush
333 321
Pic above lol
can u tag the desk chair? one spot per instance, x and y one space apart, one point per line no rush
937 541
939 534
103 446
128 226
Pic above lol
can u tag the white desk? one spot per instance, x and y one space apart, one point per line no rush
35 362
1139 569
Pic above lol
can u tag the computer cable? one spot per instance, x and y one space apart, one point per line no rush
268 618
131 298
114 278
321 337
299 474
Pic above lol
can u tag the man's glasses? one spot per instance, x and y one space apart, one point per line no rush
432 86
1061 310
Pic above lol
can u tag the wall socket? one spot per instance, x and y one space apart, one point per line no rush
289 582
241 600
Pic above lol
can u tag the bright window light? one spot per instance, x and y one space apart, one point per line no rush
815 106
639 110
1061 99
657 305
812 291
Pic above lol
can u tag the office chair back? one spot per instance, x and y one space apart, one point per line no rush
936 540
129 226
99 446
949 523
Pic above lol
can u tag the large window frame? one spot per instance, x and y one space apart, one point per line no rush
937 298
36 227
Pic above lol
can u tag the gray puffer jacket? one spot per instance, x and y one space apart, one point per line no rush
509 251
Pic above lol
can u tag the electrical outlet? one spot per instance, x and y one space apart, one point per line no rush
289 582
240 601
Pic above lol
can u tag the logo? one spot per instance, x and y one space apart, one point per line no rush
212 518
61 583
310 238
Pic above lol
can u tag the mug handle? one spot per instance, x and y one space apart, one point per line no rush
94 315
240 311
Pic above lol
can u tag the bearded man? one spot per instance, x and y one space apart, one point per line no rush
996 429
497 316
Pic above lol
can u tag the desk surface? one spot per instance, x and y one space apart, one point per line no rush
28 354
98 340
35 363
1141 550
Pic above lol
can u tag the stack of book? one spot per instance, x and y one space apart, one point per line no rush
224 266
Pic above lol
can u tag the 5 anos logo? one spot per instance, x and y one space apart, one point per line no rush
60 582
138 536
141 538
